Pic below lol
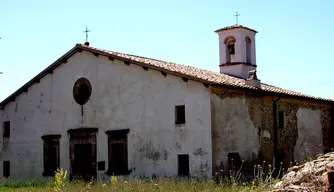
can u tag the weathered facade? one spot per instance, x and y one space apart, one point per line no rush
275 129
98 113
123 97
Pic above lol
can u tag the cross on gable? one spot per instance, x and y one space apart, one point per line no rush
86 31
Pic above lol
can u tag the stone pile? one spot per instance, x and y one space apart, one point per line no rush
310 176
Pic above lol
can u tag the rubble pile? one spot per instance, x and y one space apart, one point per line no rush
310 176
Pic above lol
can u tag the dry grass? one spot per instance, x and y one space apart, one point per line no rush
134 185
59 184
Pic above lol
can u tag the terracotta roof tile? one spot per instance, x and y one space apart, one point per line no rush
236 26
201 75
205 75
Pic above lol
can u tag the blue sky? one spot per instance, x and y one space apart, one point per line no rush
294 45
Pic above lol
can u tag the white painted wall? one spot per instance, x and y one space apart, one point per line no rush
123 97
309 142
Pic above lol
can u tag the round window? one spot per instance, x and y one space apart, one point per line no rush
82 91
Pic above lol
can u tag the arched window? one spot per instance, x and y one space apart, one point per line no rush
248 50
230 47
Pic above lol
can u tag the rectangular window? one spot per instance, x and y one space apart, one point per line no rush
6 129
280 119
183 165
51 154
180 114
6 169
118 152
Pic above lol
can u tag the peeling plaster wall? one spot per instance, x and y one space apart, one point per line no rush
306 131
233 129
123 97
244 123
309 142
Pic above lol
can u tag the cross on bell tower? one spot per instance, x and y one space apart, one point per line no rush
236 17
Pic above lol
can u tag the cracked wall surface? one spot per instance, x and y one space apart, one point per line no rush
244 123
123 97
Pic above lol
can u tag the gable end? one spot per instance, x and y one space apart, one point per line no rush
38 77
79 48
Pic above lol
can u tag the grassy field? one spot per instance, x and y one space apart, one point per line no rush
59 184
134 185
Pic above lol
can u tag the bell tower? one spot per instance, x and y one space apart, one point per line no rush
237 50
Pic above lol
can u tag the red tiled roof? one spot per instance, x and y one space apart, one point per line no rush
236 26
193 73
202 75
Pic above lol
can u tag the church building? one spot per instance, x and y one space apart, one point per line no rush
98 113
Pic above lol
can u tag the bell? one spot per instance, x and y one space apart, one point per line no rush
231 49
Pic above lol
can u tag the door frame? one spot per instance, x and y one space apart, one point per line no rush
83 135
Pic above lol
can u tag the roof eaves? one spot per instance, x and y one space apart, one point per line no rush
231 85
132 61
235 27
263 91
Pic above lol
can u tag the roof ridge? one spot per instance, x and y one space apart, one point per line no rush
167 62
185 71
223 78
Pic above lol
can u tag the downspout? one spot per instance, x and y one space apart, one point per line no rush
275 129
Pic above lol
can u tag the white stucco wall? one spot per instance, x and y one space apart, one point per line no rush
241 70
234 129
123 97
309 142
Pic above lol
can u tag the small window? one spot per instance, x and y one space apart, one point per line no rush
51 154
6 169
180 114
280 119
183 165
6 129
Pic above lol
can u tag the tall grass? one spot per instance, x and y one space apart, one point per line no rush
169 185
262 176
261 182
262 179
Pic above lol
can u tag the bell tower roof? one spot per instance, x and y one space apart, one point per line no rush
236 26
